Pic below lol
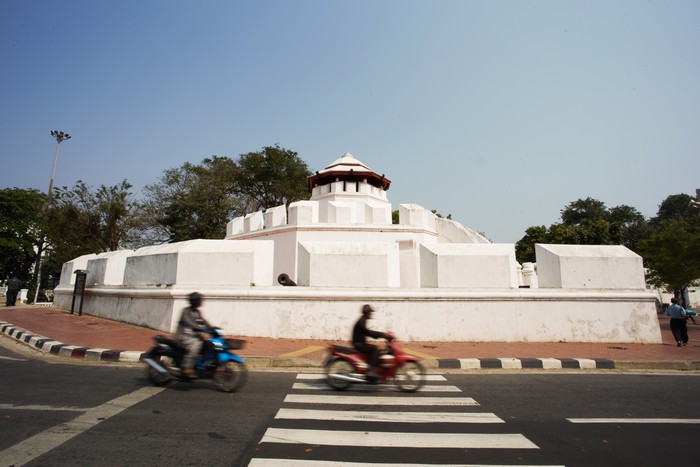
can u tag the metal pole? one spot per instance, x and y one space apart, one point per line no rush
53 170
60 137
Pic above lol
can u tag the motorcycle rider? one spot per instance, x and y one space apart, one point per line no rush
360 332
188 328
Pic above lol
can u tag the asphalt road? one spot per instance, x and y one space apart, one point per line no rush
79 415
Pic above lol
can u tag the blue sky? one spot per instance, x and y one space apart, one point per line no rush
497 112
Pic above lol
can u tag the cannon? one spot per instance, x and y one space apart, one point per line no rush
285 280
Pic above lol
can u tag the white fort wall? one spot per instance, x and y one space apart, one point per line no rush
237 280
468 265
312 313
589 267
348 264
535 316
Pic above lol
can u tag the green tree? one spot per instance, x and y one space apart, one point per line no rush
676 207
193 201
587 222
582 211
525 247
272 177
107 217
630 226
673 253
81 221
197 201
66 236
21 221
672 250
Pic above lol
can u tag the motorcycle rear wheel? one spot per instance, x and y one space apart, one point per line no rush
230 376
339 367
410 376
156 377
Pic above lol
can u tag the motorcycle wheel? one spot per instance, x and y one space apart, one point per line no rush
340 367
157 377
230 376
410 376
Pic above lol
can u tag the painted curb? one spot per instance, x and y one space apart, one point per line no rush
61 349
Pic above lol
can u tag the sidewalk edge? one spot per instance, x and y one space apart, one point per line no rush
61 349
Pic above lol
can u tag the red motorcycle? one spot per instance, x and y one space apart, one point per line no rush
345 366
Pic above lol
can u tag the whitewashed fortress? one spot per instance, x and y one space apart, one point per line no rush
304 271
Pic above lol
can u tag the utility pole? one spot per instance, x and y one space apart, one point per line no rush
60 137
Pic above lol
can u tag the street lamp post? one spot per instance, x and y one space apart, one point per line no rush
60 137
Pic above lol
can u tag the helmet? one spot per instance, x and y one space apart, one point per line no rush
195 298
367 310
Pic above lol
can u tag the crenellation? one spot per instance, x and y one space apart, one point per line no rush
303 213
275 217
253 221
416 216
107 268
235 227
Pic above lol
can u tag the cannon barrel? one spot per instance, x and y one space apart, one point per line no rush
285 280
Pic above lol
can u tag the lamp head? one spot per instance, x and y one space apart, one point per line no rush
60 136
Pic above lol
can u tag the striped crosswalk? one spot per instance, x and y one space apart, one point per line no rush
376 418
316 381
320 385
311 463
399 439
378 400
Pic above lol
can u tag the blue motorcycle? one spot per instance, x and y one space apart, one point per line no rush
216 362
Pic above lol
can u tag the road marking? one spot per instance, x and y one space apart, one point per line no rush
40 444
635 420
401 417
308 463
321 385
43 408
379 400
303 351
14 359
405 440
321 376
381 439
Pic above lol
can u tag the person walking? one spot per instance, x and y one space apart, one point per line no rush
14 285
679 327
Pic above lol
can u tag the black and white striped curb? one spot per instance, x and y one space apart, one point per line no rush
61 349
526 363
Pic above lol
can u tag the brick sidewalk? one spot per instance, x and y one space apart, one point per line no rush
90 331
